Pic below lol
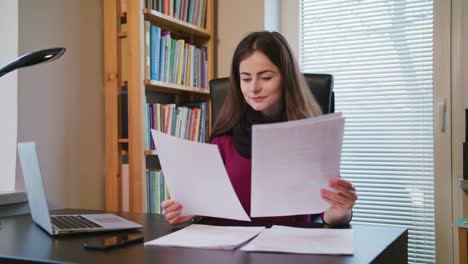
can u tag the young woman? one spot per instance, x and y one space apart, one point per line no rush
266 86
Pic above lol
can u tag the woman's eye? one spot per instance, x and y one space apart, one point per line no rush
267 78
246 80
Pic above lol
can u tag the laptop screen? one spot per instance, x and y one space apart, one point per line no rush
34 186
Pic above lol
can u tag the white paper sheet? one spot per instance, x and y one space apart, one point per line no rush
195 176
205 236
291 162
303 241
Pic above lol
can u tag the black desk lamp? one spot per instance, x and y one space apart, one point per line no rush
33 58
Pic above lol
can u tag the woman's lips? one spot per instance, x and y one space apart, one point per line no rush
258 98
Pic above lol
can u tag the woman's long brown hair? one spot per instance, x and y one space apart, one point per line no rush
298 100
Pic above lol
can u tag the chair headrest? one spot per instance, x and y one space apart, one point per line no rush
321 86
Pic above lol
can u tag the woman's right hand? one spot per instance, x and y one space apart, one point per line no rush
172 210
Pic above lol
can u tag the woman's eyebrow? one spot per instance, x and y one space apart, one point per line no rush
265 71
258 73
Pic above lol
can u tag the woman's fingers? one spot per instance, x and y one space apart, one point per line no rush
170 205
337 200
172 211
333 196
344 188
167 203
175 221
348 193
172 215
173 207
342 183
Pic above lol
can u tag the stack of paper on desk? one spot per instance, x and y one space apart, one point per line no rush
205 236
276 239
291 162
303 241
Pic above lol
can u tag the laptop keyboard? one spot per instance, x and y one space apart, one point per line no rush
72 222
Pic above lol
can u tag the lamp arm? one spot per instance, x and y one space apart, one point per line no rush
33 58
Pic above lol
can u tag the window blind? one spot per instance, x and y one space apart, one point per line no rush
380 53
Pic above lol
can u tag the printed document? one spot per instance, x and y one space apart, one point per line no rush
291 162
303 241
206 236
196 178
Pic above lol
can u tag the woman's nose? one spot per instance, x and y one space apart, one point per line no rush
256 87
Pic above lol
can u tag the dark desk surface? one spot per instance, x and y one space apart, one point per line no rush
22 240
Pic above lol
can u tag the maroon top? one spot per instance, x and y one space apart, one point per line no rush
239 171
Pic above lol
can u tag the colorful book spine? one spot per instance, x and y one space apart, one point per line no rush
162 55
161 192
165 60
175 65
171 60
148 64
181 60
155 52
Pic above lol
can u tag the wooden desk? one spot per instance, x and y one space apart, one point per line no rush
22 241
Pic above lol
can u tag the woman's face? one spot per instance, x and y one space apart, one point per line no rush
260 82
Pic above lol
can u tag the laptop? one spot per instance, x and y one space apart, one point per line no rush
60 224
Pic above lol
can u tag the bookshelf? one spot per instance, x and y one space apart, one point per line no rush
126 73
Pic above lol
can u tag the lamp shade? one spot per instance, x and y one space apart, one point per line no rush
33 58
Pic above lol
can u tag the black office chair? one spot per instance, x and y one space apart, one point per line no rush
321 86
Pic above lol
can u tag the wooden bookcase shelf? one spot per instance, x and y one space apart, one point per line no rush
174 24
125 69
147 152
173 88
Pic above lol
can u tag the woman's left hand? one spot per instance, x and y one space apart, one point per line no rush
341 201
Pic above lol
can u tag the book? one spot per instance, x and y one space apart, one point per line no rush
162 56
155 41
202 120
147 30
181 60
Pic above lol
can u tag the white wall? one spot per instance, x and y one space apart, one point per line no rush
61 104
235 20
238 18
8 100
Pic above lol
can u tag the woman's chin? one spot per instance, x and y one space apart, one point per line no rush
257 107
